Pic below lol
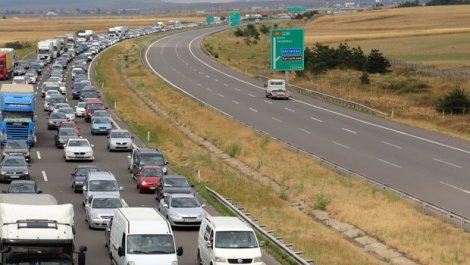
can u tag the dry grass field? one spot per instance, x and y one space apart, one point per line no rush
425 239
35 29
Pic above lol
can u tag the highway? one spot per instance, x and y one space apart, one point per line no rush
53 176
427 165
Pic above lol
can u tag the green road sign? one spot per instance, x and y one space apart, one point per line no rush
210 20
234 20
287 49
296 9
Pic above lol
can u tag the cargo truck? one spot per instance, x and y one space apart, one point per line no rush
45 50
7 64
62 48
36 230
17 117
71 40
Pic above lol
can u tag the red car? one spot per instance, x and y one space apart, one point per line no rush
148 177
70 124
92 105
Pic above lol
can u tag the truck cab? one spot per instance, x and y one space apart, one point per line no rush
276 89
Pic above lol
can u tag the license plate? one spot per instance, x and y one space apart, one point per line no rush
152 188
14 177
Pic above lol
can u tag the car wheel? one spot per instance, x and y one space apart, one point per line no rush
199 261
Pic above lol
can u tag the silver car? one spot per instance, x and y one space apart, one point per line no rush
119 140
100 209
183 210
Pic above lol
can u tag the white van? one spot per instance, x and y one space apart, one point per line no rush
276 89
224 239
141 236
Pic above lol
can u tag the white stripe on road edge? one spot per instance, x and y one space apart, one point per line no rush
44 175
220 95
396 146
455 187
225 84
447 163
315 119
389 163
119 128
253 109
291 110
237 89
39 154
347 130
236 102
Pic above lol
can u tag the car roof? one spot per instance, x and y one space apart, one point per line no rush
93 101
109 195
101 175
182 195
148 150
174 177
86 166
23 181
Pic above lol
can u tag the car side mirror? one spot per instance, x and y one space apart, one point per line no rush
121 251
121 188
203 205
132 137
208 244
179 251
166 162
84 188
262 243
39 191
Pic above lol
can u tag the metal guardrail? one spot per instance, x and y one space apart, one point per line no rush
328 98
276 241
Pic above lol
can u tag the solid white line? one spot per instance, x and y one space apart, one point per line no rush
455 187
276 119
347 130
44 175
392 145
317 107
251 95
253 109
315 119
220 95
342 145
269 102
447 163
236 102
303 130
291 110
39 154
389 163
124 203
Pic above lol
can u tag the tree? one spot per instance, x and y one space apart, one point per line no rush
376 62
456 102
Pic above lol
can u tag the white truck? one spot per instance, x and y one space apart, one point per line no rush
34 230
56 46
276 89
71 40
63 43
45 50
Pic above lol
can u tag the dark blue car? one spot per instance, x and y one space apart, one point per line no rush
79 176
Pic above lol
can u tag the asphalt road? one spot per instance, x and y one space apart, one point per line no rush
427 165
53 175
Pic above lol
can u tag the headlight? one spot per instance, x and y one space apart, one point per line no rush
164 169
69 152
61 141
25 172
144 183
79 182
175 215
3 172
165 194
257 259
220 259
95 216
51 122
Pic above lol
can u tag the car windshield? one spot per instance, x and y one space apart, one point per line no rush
53 100
103 185
150 244
185 203
84 170
66 110
81 104
119 134
235 239
14 161
79 143
16 145
175 182
95 106
151 159
152 172
101 120
52 92
67 132
21 188
57 115
106 203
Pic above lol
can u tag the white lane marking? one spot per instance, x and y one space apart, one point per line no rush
392 145
44 175
251 95
119 128
200 73
253 109
225 84
342 145
291 110
236 102
124 203
220 95
276 119
269 102
447 163
208 76
237 89
216 80
39 154
347 130
199 85
208 89
308 104
315 119
305 131
455 187
389 163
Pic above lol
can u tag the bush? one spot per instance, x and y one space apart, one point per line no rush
264 29
17 45
409 4
456 102
238 33
376 62
234 149
365 78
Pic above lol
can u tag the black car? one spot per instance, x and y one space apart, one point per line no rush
23 186
172 184
63 135
79 176
17 147
54 120
14 167
146 156
77 88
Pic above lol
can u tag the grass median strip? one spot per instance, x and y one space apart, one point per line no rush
399 225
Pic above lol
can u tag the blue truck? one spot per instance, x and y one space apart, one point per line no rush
17 116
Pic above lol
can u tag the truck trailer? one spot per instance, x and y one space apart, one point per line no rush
33 233
7 64
18 117
45 50
71 41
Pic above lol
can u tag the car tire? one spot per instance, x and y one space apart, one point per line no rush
198 257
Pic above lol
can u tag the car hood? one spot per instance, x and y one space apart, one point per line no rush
114 140
79 178
103 211
188 212
16 151
57 120
14 168
78 149
236 253
149 259
177 190
97 125
150 180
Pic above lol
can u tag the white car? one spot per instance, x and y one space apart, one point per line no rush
80 109
31 78
78 149
68 111
19 80
51 92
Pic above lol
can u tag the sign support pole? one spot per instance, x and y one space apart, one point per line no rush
286 77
